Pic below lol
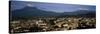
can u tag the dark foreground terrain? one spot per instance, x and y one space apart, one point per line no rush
45 24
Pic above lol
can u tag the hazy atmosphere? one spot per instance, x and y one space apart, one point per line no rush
51 6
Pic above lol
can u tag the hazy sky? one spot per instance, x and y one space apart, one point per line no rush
55 7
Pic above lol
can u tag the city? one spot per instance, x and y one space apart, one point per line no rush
52 24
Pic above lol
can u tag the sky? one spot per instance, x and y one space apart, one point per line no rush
83 2
55 7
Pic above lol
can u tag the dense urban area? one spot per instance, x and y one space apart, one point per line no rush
45 24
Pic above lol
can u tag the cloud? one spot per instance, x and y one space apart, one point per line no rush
83 8
29 5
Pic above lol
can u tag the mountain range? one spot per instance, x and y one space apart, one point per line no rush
33 11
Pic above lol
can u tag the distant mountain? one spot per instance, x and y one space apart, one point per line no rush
33 11
78 12
87 13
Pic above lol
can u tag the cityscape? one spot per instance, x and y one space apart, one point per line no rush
51 24
45 17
